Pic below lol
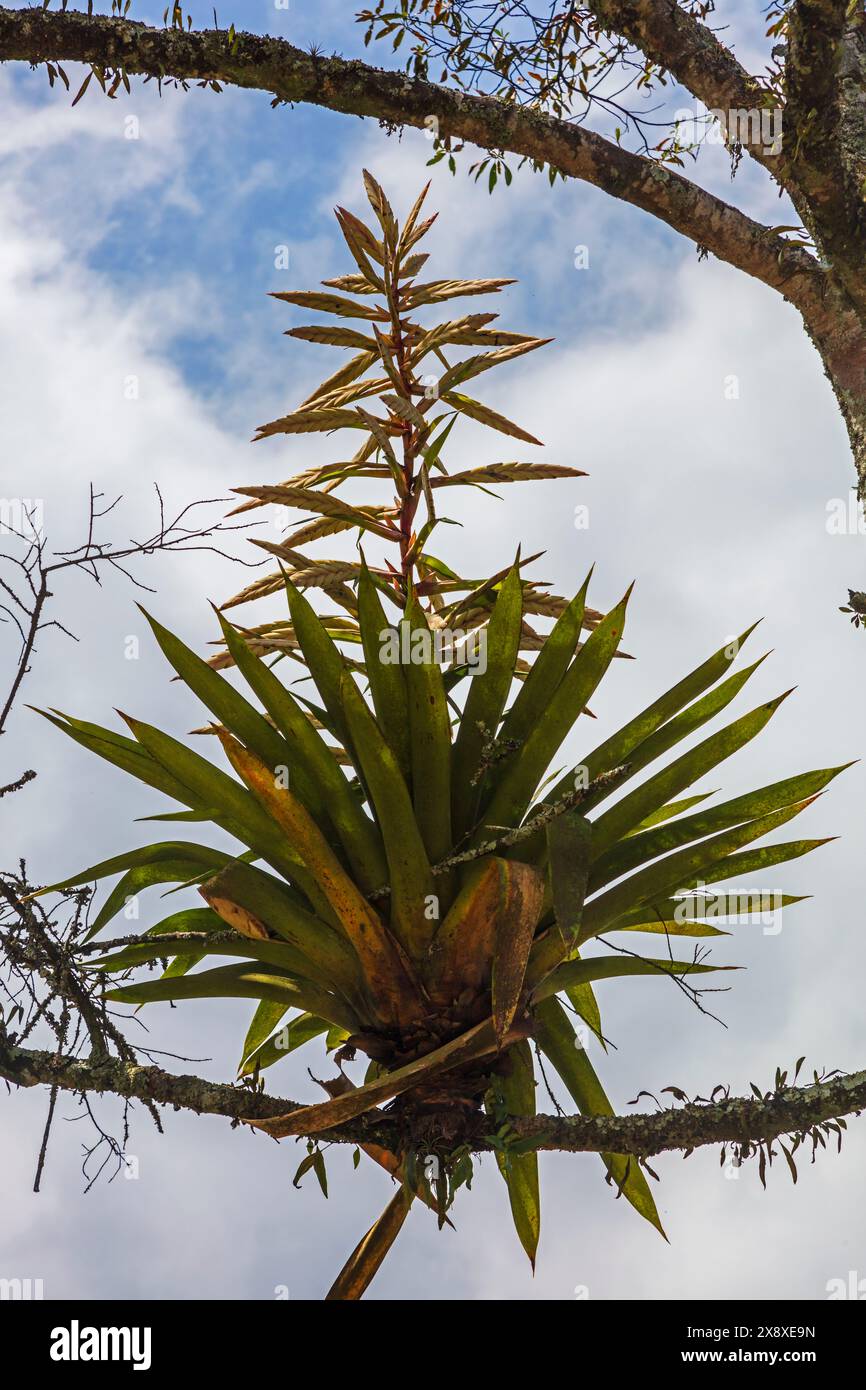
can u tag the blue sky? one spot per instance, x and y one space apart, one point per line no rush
154 257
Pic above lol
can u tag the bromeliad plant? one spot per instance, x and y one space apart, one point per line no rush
407 886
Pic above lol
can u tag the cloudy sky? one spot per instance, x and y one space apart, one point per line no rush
152 258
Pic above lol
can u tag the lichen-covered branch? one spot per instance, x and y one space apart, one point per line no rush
825 135
356 88
735 1120
738 1120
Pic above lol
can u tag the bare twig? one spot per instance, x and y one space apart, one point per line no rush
37 570
42 979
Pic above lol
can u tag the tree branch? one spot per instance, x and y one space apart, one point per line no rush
815 32
736 1120
678 42
354 87
825 134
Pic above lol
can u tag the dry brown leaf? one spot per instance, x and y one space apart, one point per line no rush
523 894
312 1119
